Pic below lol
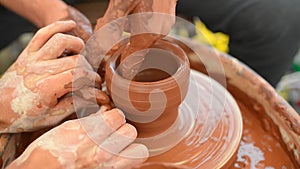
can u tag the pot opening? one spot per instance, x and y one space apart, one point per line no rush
157 65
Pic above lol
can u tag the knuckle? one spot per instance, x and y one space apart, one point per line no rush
58 36
75 59
79 72
56 24
131 130
41 31
103 155
69 123
80 41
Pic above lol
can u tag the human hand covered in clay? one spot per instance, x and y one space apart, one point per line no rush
154 20
141 23
32 89
83 27
99 141
44 12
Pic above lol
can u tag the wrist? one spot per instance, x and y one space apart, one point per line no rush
53 11
40 13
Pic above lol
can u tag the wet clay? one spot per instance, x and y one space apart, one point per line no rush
198 149
261 145
151 75
151 104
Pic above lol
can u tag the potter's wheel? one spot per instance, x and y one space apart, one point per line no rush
207 132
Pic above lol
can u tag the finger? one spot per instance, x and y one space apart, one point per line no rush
142 35
144 6
157 6
58 43
74 104
131 65
164 16
83 28
116 142
83 78
115 10
63 109
56 66
57 85
93 136
101 97
103 109
133 155
100 126
44 34
93 94
143 13
96 48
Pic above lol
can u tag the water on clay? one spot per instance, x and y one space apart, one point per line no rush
259 148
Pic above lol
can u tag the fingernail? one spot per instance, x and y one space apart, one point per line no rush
128 131
120 112
114 118
70 22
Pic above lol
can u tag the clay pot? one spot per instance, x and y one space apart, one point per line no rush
151 99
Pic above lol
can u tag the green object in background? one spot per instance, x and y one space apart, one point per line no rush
296 67
289 89
296 62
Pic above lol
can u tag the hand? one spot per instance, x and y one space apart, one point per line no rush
148 22
102 140
152 20
83 27
45 12
35 91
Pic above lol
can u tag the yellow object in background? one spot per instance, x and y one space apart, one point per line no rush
218 40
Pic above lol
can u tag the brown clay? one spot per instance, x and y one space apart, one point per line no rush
261 146
173 88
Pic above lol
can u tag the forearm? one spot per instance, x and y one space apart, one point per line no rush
39 12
